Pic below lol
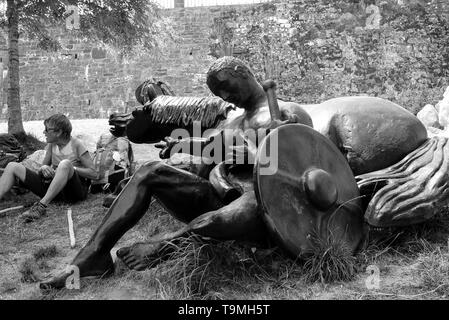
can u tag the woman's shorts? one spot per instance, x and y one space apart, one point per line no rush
75 190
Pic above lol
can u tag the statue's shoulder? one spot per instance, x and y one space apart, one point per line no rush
296 108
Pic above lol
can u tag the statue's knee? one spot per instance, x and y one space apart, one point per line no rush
148 169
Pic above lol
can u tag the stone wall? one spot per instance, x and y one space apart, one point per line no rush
319 49
314 49
85 80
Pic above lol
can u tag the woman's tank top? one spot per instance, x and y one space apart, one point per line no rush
69 151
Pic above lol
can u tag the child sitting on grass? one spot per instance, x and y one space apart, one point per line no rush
65 174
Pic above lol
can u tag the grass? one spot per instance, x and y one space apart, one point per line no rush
413 261
433 269
45 252
200 269
29 271
330 260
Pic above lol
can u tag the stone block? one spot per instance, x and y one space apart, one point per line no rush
429 116
98 53
444 113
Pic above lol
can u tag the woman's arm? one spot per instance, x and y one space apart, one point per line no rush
46 169
47 157
88 169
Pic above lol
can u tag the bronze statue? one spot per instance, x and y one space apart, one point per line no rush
190 197
316 193
162 112
372 133
410 191
151 88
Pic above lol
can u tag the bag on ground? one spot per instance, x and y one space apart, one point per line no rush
10 150
113 160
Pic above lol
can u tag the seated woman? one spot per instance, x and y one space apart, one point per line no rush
65 174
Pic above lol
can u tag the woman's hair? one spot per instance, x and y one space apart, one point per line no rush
60 122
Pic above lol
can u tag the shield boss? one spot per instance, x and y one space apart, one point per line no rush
306 190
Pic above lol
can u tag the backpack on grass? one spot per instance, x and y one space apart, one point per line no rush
113 160
10 150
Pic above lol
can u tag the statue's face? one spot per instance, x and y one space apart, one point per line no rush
232 89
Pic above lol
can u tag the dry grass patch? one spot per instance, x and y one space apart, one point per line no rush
201 268
433 271
45 252
409 261
29 271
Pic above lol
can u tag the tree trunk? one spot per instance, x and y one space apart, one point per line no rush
15 124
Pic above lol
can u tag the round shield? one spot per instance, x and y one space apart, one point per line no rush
306 191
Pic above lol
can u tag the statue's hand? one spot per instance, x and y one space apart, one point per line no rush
166 145
287 118
291 118
246 152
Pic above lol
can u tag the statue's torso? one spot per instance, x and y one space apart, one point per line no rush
240 121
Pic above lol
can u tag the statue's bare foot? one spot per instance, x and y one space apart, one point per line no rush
141 256
91 266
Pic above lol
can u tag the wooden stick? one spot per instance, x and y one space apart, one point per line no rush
11 209
71 232
270 89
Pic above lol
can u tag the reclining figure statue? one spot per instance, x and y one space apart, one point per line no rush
189 196
371 133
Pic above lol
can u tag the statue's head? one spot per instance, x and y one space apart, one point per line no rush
230 79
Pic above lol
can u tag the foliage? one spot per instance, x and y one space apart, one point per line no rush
124 25
322 49
29 142
121 24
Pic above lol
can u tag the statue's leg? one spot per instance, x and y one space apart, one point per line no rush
237 221
109 199
183 193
